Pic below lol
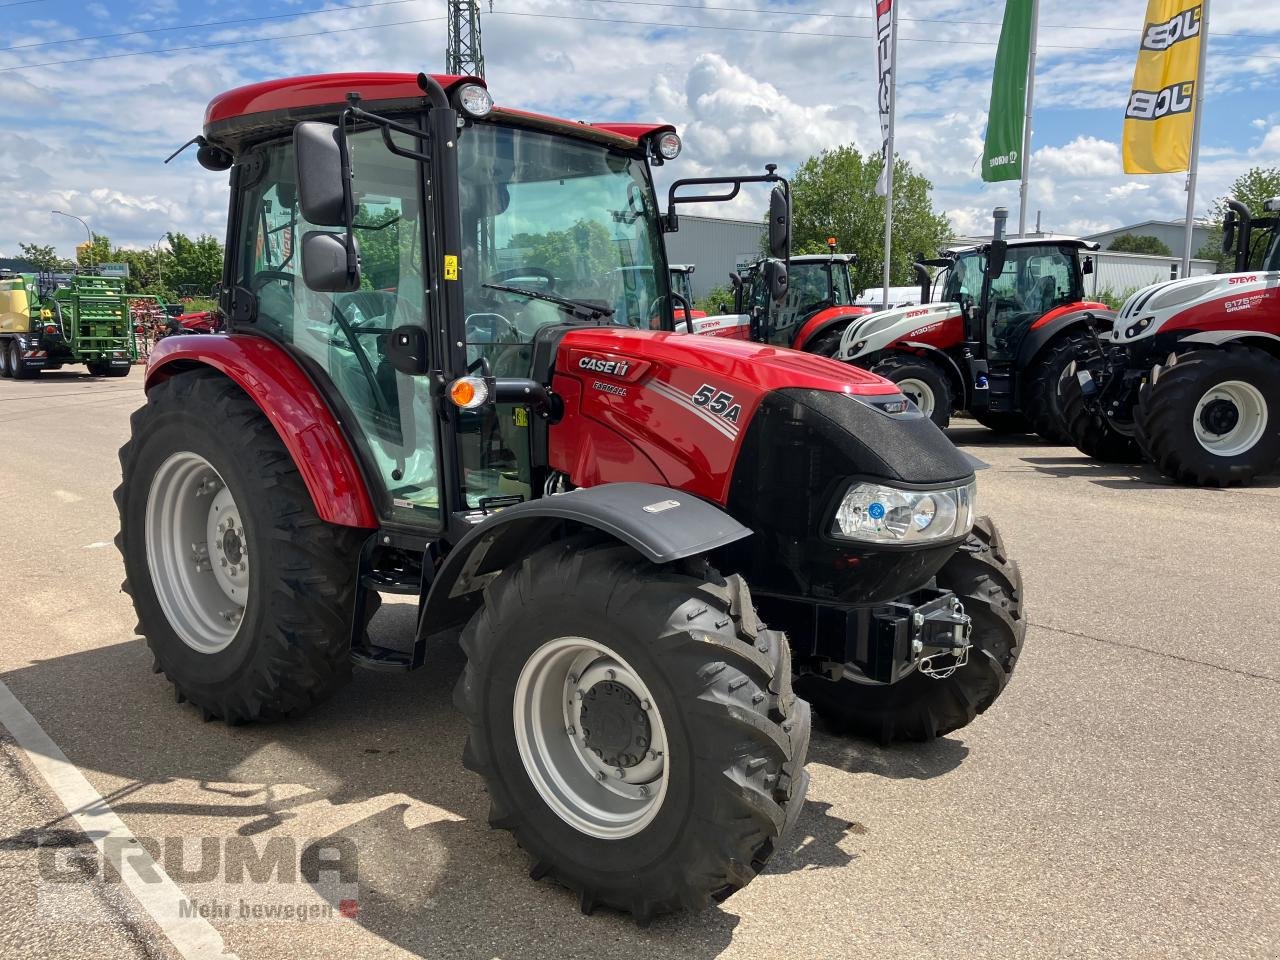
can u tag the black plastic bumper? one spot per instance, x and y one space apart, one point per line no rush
881 641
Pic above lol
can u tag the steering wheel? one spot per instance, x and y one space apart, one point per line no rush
503 275
485 329
263 277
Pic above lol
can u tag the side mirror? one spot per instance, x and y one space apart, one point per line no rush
1087 268
775 279
779 224
996 253
323 183
1229 231
407 350
326 263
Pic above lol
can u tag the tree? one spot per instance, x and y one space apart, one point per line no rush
196 264
833 195
1140 243
717 300
1253 188
43 257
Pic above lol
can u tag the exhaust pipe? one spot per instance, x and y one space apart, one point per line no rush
1001 217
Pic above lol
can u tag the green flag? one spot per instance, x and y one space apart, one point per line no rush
1002 158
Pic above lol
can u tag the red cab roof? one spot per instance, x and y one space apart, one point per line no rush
238 114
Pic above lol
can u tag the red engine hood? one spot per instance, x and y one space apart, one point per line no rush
762 366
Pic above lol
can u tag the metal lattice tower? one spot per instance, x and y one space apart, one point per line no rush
465 55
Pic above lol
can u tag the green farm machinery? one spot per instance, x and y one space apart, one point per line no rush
48 320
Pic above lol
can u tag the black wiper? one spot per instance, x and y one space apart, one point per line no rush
576 308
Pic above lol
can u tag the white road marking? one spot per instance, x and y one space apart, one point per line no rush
98 544
66 496
192 936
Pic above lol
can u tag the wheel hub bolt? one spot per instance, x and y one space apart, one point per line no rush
644 790
645 705
619 774
571 732
600 775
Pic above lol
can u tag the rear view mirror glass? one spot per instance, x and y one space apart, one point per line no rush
324 263
322 191
779 223
775 279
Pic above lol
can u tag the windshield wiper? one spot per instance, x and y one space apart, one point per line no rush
576 308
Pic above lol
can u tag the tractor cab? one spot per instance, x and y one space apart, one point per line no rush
819 288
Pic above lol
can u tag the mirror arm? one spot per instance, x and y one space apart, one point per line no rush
671 223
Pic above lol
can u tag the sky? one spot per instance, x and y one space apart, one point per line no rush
747 82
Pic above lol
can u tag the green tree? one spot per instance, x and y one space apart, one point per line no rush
196 264
717 300
1253 188
583 251
100 252
43 257
833 195
1140 243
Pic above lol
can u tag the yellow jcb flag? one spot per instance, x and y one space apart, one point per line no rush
1160 114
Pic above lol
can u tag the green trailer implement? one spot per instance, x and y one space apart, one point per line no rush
47 321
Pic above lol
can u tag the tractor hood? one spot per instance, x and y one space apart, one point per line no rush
877 331
1197 303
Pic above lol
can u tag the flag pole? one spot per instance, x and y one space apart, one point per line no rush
1026 123
1193 169
888 154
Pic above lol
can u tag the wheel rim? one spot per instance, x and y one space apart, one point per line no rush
919 393
591 738
197 552
1230 418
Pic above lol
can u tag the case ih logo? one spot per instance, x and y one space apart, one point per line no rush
618 368
1251 278
1162 36
1154 104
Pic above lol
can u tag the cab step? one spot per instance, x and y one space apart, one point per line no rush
403 582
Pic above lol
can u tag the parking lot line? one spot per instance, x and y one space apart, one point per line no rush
192 936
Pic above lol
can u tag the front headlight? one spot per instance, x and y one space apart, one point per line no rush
876 513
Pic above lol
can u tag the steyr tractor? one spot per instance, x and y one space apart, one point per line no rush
818 305
1011 316
1191 377
450 371
47 321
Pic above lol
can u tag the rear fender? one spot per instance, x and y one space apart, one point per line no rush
1049 327
285 394
660 523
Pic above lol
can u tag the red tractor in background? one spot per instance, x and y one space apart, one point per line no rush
441 378
1011 317
1191 376
818 305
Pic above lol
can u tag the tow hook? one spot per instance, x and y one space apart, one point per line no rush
946 631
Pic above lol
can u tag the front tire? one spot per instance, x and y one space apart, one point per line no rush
919 707
5 372
670 657
1090 431
1042 401
1213 418
923 382
244 595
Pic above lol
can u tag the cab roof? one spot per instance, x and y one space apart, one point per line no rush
1075 242
823 257
261 110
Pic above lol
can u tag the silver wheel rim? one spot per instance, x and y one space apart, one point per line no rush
197 552
1246 422
558 686
919 393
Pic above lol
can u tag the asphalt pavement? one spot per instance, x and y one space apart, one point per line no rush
1122 799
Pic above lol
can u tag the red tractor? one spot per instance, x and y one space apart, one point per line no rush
441 377
1011 316
818 305
1191 377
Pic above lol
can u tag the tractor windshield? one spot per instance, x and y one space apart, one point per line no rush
554 215
1272 261
682 285
1035 280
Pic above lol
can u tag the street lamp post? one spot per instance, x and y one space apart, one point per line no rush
159 266
72 216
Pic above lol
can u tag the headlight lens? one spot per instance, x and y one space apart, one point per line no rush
876 513
474 100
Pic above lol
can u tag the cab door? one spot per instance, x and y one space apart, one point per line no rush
341 338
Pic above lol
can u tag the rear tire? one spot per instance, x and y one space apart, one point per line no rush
1213 418
1041 400
5 372
922 708
731 780
922 381
1092 434
288 646
117 371
98 369
17 369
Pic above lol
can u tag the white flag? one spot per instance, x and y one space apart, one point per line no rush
884 93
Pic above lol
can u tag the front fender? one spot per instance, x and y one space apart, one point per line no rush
660 523
1059 321
825 320
307 427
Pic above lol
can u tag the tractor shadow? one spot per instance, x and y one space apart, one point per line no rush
379 765
1115 476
